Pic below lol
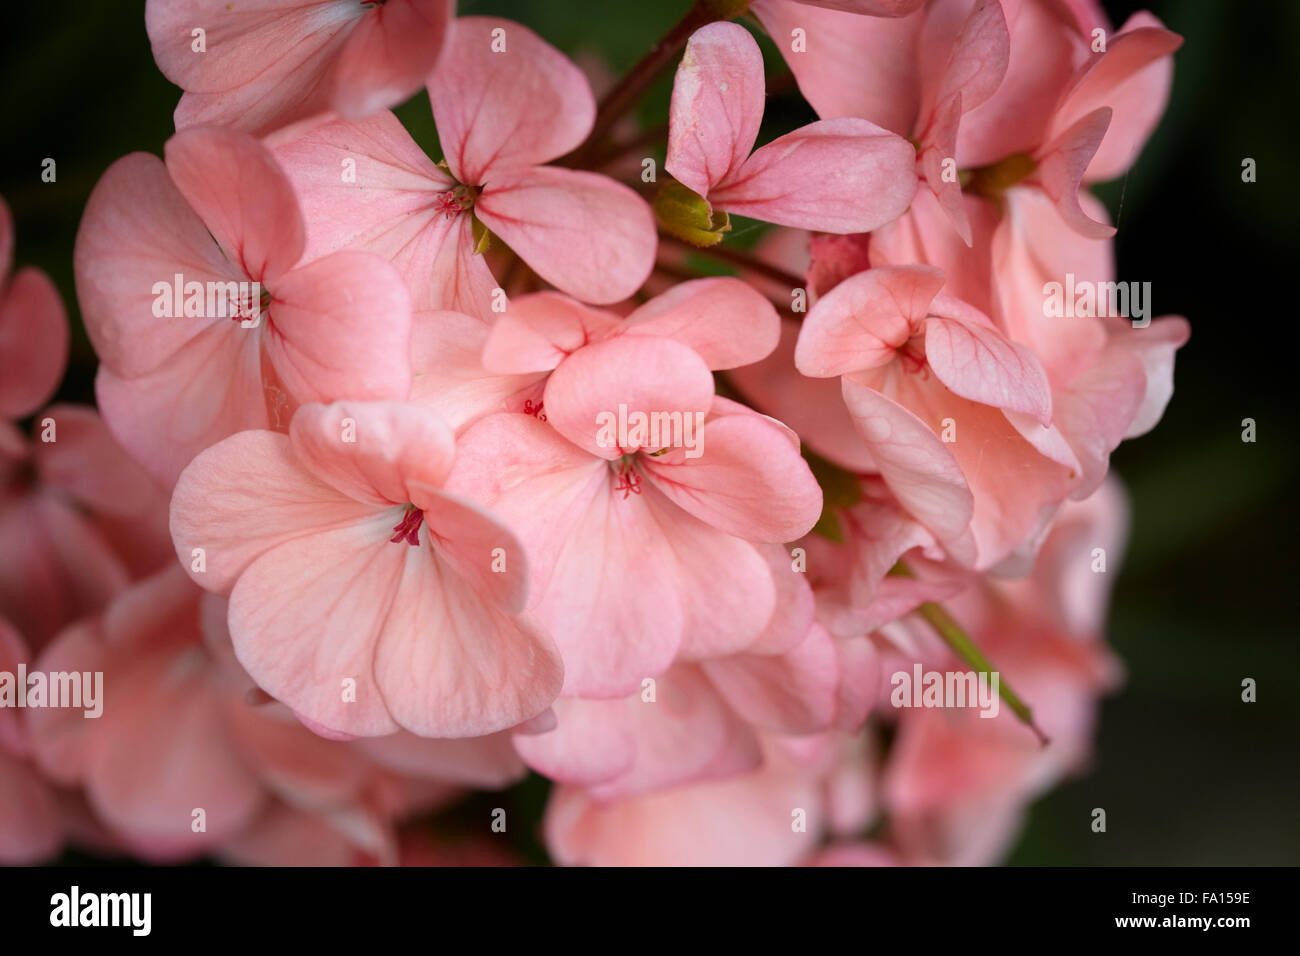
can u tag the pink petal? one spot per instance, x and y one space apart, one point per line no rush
138 230
864 320
790 693
449 376
840 175
724 321
1133 78
1155 346
977 362
389 54
715 622
841 45
450 661
246 495
917 466
88 464
391 208
33 342
376 452
616 619
582 232
210 389
162 751
537 331
340 327
647 375
498 111
489 762
717 106
748 482
242 196
265 64
1061 167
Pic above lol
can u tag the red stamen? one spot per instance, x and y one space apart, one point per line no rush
534 410
629 482
408 529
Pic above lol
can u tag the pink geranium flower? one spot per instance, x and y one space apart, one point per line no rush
501 116
842 175
267 63
624 529
362 594
179 373
916 365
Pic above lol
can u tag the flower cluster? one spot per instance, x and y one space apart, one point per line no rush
412 473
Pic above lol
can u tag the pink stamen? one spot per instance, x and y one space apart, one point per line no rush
408 529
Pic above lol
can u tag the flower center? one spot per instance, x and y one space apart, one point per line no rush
408 529
629 482
454 201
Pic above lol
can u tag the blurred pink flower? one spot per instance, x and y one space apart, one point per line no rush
260 65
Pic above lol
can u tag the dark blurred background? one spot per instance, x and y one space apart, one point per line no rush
1188 773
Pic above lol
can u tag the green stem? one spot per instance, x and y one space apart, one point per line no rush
955 636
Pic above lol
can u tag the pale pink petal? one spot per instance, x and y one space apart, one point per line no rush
210 389
85 462
451 662
340 327
717 106
137 231
33 342
840 175
243 197
863 321
1155 346
840 45
1133 77
245 496
449 375
584 233
617 619
389 54
715 622
489 762
642 374
161 751
918 467
977 362
498 110
537 331
724 321
793 692
30 829
748 481
1061 167
376 452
